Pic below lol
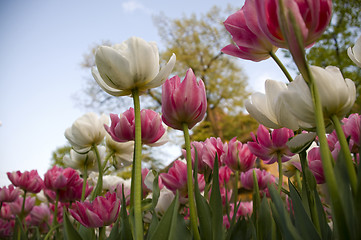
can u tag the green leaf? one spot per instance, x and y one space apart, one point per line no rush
167 226
265 221
256 202
303 222
281 217
326 232
241 230
153 225
203 209
115 233
147 204
69 231
216 204
86 233
126 232
19 232
156 190
301 142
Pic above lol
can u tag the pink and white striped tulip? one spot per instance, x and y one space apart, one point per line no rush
17 205
123 129
238 156
103 211
251 43
28 181
267 146
183 102
9 194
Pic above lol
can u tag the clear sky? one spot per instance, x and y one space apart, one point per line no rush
42 44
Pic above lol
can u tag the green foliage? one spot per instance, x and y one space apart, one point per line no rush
58 155
331 49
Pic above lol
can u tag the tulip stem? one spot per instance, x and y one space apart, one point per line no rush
137 165
280 64
55 218
280 172
346 152
85 178
23 208
99 186
192 209
326 157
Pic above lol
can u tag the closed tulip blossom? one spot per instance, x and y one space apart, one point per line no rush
263 179
183 102
6 228
337 95
176 179
27 181
9 194
81 160
355 52
86 132
5 212
123 129
250 42
103 211
351 127
238 156
41 216
269 108
133 64
123 152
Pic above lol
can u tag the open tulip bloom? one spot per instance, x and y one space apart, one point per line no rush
225 188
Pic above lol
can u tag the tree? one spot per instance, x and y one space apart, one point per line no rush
331 49
197 41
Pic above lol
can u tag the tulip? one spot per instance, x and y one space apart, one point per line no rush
251 43
123 152
82 161
103 211
28 181
202 166
183 102
315 165
224 175
336 93
5 212
123 129
312 18
41 216
6 228
86 132
269 146
165 199
269 108
238 156
263 178
133 64
9 194
176 179
16 206
355 52
351 127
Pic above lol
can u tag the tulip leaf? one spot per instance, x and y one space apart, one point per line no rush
115 233
125 229
87 233
153 225
166 229
265 221
216 204
281 217
147 204
326 232
69 231
203 209
156 191
302 220
301 142
256 201
19 232
241 230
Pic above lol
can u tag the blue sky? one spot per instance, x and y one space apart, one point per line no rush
42 44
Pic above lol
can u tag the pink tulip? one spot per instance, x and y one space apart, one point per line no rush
183 102
123 129
315 164
119 192
40 216
351 128
103 211
6 228
267 146
211 148
28 181
245 209
238 156
263 178
5 212
251 43
16 206
224 175
176 179
9 194
66 182
202 166
312 17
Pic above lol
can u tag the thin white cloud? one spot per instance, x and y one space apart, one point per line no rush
133 6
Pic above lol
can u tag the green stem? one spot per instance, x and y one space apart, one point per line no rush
107 159
327 162
102 233
346 152
282 67
99 186
280 172
22 214
192 209
137 165
55 218
298 180
85 178
235 189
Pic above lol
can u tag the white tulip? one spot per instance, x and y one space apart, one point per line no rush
86 131
269 109
123 152
129 65
165 199
79 160
337 95
355 52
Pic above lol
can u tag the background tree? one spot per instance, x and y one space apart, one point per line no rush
342 33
